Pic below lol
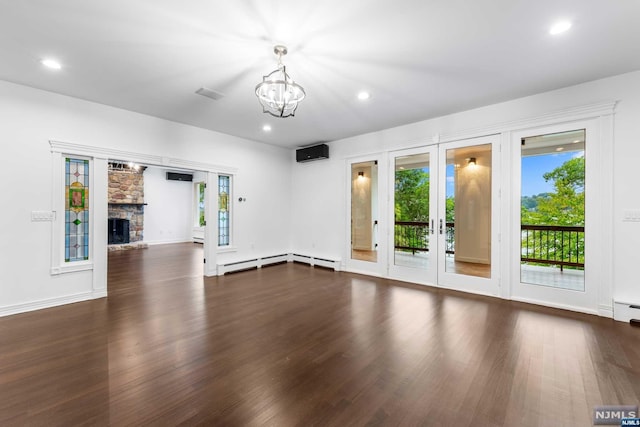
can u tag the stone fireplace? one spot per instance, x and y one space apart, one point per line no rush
126 206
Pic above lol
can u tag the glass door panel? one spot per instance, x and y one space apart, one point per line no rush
364 206
411 211
552 212
467 219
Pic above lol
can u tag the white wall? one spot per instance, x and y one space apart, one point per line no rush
319 212
31 118
168 216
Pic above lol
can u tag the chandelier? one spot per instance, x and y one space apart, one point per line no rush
277 93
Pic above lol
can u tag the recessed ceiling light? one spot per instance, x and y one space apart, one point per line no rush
559 149
51 63
266 128
559 27
363 96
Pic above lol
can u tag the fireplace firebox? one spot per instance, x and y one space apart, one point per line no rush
118 231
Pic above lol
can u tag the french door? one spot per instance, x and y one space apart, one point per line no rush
445 215
366 252
557 200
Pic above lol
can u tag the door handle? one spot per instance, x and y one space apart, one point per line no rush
441 230
432 230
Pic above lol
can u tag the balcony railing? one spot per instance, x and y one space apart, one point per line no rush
553 244
414 236
542 244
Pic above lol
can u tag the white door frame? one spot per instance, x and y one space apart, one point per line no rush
597 224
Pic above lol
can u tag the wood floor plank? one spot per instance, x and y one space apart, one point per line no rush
293 345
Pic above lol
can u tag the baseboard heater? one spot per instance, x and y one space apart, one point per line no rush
313 261
258 262
625 311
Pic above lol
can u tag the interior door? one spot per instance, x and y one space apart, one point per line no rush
468 214
413 254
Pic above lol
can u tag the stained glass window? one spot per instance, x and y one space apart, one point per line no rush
76 223
223 210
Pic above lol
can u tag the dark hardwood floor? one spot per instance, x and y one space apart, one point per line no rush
294 345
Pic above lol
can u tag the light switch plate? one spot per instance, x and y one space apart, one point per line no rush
631 215
42 216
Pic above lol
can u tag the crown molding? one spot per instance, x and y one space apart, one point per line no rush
130 156
570 114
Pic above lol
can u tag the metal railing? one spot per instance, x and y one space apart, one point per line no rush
542 244
412 236
553 244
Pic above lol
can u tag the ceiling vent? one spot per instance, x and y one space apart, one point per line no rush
210 93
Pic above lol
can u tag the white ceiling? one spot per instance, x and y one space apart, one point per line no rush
418 58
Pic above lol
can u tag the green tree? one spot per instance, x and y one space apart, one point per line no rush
412 195
565 206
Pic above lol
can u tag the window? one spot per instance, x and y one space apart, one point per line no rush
223 210
199 204
76 222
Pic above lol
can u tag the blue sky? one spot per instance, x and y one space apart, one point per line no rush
533 167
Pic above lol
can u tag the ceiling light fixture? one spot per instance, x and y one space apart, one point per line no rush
266 128
559 27
363 96
278 94
51 63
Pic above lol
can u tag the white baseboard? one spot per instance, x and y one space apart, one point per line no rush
554 305
605 311
52 302
168 242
